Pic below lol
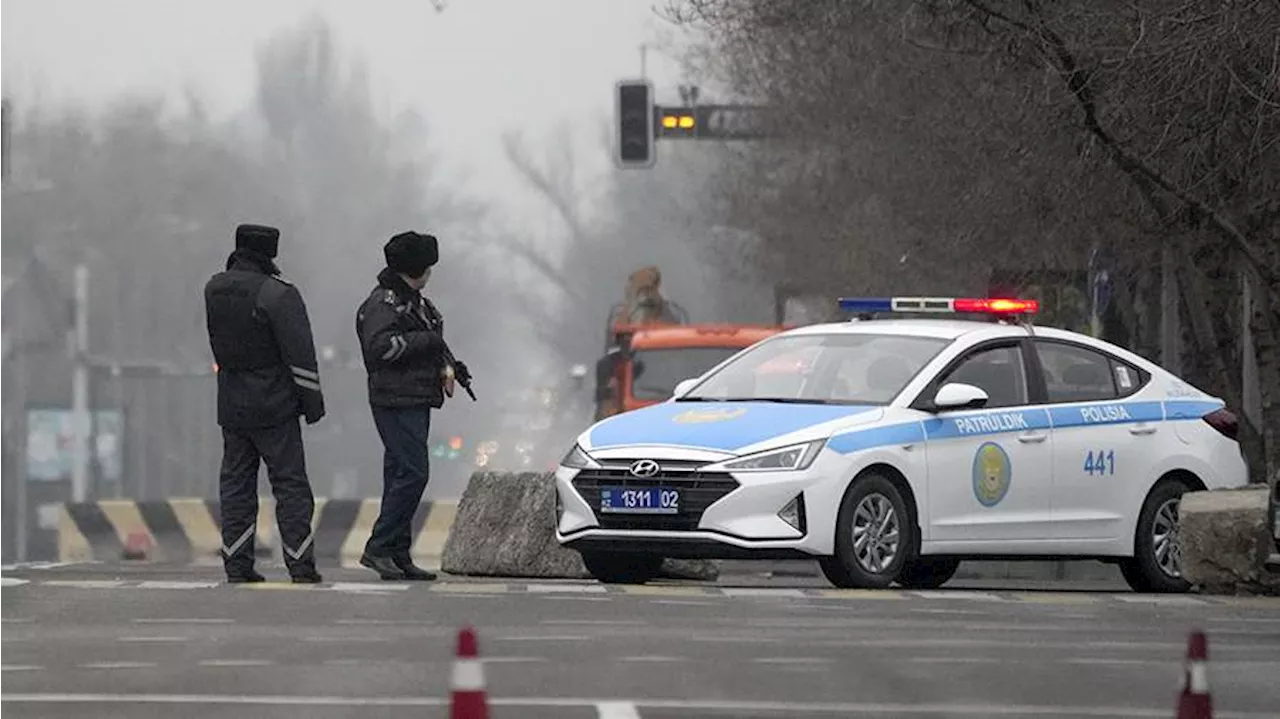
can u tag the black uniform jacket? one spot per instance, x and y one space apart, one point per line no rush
401 335
262 343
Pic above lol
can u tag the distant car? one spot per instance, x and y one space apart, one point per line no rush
892 449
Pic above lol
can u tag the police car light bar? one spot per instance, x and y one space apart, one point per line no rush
951 305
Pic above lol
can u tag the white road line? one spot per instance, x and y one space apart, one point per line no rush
384 622
950 709
942 594
766 592
567 588
617 710
151 639
177 620
16 620
20 668
12 582
545 638
651 658
730 639
367 587
1158 599
956 660
510 660
158 584
235 663
118 665
948 611
792 660
683 602
346 640
601 622
84 583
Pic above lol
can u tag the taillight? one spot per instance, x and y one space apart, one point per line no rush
1225 421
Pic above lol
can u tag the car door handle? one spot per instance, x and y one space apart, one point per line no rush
1033 438
1142 429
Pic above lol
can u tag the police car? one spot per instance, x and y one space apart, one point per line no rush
891 449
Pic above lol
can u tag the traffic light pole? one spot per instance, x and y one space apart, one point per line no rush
640 123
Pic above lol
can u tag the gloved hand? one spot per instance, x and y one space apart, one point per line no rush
315 416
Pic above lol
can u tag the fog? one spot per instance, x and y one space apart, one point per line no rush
139 135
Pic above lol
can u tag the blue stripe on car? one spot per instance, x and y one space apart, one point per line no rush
1003 421
739 424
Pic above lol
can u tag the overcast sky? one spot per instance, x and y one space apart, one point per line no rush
474 70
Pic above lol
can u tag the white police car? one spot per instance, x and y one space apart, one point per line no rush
892 449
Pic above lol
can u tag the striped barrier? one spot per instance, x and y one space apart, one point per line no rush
186 531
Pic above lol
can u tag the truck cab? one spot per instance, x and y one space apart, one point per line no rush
643 363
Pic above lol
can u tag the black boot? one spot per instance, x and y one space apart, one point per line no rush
384 566
413 571
306 575
244 576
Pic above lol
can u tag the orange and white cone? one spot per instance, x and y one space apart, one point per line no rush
1195 701
469 701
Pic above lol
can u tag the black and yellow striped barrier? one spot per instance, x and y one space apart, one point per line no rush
187 530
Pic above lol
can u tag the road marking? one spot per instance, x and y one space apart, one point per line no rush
235 663
684 705
545 638
367 587
861 594
16 620
682 602
954 660
118 665
510 660
1158 599
151 639
662 590
944 594
948 611
175 620
471 588
617 710
19 668
766 592
601 622
576 599
792 660
574 588
345 640
651 658
1055 598
731 639
12 582
384 622
1107 660
84 583
149 584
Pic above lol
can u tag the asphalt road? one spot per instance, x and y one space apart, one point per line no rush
147 641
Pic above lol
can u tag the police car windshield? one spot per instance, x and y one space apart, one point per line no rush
821 369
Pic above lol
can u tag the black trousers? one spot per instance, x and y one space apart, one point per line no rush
280 447
404 477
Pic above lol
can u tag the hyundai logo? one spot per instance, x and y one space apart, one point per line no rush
644 468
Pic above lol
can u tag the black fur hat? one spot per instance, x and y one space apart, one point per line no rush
411 253
259 238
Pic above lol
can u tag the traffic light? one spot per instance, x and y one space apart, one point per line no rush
635 124
677 122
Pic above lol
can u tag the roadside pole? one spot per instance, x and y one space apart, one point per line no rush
80 389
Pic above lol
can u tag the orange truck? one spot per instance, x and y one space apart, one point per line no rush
643 363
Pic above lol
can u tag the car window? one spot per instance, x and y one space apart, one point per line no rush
656 372
835 368
1078 374
998 371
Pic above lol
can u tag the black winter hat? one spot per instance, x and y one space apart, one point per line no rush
258 238
411 253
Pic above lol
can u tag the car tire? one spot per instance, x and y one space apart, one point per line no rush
873 508
622 568
1149 569
928 572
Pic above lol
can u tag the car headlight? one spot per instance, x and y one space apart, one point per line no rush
792 457
577 458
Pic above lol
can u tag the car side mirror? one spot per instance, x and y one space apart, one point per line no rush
955 395
683 386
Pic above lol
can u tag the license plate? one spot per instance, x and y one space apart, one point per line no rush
646 500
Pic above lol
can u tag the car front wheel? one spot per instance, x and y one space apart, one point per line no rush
621 567
1157 562
873 536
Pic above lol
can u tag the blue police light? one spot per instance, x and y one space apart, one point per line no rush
951 305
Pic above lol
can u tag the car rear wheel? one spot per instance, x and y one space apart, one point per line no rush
621 567
1157 562
928 572
873 536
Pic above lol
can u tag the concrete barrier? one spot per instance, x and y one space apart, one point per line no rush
1225 538
186 531
505 527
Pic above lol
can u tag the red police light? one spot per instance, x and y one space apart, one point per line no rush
1001 306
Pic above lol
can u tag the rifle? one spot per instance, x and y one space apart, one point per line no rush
463 379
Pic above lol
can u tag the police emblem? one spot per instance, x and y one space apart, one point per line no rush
992 473
694 416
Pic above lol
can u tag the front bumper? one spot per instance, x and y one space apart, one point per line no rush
722 515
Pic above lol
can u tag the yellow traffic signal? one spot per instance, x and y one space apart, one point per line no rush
686 121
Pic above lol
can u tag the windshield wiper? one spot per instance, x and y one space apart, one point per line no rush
780 400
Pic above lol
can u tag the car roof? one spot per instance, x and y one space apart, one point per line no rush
939 329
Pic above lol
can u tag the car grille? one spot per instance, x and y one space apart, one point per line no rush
698 490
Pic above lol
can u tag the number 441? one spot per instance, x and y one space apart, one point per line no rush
1102 462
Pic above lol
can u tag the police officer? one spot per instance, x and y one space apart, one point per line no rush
267 377
401 337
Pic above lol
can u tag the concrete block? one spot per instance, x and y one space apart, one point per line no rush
1225 540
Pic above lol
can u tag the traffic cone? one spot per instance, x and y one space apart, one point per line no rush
469 700
1195 702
